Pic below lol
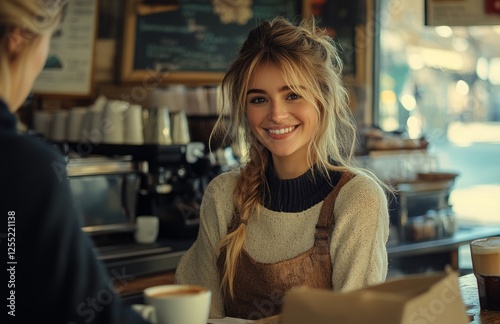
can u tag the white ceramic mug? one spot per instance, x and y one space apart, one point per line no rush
147 228
133 125
174 304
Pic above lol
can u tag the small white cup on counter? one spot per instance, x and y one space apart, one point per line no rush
173 304
147 227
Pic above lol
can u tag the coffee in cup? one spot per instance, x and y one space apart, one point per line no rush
172 304
486 265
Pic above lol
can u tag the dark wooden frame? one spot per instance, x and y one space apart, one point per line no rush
129 74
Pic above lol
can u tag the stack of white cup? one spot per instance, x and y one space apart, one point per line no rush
59 123
75 123
92 127
42 122
113 122
133 125
105 121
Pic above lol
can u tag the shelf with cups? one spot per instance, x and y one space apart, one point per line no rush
114 122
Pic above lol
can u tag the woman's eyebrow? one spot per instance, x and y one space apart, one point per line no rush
283 88
250 91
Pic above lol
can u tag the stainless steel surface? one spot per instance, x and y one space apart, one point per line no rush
105 193
104 229
99 165
157 126
417 199
132 250
139 260
415 187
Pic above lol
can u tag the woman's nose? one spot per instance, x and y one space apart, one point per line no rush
277 112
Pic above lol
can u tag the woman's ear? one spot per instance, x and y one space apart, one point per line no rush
15 42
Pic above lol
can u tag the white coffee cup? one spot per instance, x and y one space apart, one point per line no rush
173 304
147 228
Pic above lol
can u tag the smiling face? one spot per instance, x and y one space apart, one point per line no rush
281 120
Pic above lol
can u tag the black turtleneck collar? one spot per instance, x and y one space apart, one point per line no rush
298 194
7 119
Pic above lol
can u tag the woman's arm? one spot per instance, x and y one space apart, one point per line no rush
358 246
199 264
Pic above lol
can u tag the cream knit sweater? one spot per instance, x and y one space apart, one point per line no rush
358 245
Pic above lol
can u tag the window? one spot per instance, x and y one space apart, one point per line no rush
443 83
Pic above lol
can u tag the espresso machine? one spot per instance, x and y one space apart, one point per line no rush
173 179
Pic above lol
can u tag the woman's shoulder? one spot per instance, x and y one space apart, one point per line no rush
364 184
224 180
222 186
32 154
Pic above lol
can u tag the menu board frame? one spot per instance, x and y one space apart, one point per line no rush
128 73
461 13
68 71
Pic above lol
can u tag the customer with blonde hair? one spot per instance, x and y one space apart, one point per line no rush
51 272
298 211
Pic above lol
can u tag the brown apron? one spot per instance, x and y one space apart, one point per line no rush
259 288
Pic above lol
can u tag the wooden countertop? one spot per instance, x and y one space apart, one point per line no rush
467 283
468 288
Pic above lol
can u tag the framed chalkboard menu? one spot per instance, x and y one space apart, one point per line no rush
193 42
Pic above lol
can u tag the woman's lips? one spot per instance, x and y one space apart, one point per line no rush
281 131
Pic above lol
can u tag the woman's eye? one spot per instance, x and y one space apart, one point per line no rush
257 100
293 96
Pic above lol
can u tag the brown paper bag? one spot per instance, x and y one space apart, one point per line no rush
414 299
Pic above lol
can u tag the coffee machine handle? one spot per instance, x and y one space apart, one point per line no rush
130 188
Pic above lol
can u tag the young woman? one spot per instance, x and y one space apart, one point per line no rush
51 273
298 212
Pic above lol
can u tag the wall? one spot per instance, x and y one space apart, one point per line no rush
108 55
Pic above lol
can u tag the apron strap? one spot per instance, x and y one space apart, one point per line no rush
326 219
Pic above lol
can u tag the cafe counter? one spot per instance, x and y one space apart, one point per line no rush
434 255
468 289
150 265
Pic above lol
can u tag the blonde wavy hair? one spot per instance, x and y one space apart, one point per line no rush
33 18
310 63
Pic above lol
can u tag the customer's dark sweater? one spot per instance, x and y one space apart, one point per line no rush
54 275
